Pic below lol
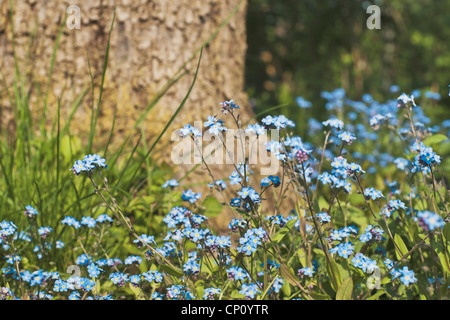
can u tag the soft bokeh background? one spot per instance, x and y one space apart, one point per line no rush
301 48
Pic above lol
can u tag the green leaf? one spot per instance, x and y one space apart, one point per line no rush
446 231
199 286
442 256
236 295
320 296
210 270
435 139
286 289
333 272
283 231
379 293
400 246
173 271
322 203
445 288
136 291
301 257
212 207
287 274
357 216
345 290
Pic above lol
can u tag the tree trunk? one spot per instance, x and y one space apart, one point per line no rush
150 41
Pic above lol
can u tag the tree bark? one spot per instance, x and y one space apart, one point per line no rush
150 41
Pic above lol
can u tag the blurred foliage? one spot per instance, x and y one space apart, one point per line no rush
301 48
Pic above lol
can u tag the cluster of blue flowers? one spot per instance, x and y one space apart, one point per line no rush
392 206
364 263
218 242
86 221
44 231
237 224
249 195
430 220
88 164
251 240
171 183
190 131
219 184
177 292
289 148
338 178
242 172
242 254
306 271
347 137
323 217
372 233
228 106
270 180
191 196
343 249
249 290
373 194
425 160
406 276
209 293
8 229
303 103
30 211
215 126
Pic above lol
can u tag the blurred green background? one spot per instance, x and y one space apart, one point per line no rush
304 47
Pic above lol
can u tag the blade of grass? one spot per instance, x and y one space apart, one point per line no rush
171 82
180 107
41 216
158 96
122 174
75 106
256 116
58 151
50 73
111 132
105 65
9 186
22 117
